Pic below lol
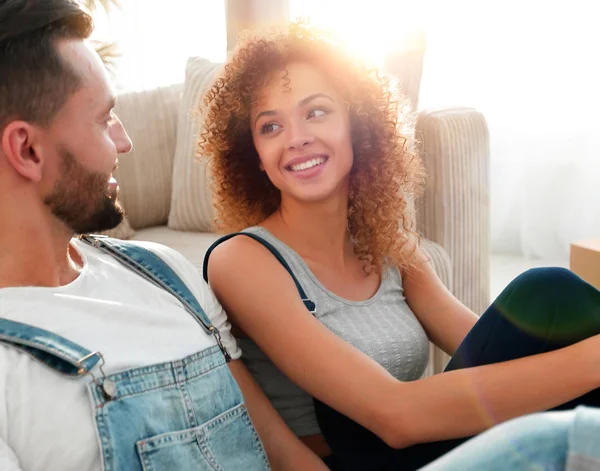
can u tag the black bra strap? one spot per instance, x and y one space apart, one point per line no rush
310 305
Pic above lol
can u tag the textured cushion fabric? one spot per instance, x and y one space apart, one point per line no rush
440 260
455 209
442 265
191 200
192 245
145 175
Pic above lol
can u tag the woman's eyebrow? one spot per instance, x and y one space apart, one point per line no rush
310 98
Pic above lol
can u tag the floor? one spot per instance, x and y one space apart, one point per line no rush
505 267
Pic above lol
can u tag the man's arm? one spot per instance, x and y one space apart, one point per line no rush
284 450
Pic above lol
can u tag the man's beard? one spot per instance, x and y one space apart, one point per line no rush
80 199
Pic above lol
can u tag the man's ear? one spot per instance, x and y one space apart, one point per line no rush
20 146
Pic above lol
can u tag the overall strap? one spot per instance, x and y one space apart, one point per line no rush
149 265
53 350
310 305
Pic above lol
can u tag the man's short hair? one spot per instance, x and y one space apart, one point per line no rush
35 82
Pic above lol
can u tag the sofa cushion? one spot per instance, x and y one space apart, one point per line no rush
192 245
191 199
144 175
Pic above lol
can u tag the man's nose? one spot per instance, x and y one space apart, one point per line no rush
121 138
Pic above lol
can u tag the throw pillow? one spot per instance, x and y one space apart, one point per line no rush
144 175
191 197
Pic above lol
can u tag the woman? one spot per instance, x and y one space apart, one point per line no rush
310 153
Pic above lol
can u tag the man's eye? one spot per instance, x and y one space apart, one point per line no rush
109 120
268 128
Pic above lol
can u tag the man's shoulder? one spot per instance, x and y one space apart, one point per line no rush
167 254
9 357
183 268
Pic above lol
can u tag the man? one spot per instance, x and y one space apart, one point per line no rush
112 356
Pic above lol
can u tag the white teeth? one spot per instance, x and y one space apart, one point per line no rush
308 164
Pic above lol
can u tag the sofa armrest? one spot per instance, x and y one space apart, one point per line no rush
439 259
443 267
455 208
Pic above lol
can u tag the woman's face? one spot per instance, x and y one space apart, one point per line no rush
301 131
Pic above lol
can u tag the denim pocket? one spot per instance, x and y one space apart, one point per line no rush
228 442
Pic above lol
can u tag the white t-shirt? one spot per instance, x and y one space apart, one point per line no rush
46 421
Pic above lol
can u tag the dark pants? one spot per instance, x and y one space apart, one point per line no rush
541 310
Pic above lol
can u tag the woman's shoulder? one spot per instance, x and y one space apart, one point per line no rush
240 250
252 238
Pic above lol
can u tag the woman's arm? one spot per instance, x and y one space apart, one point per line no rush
261 298
445 319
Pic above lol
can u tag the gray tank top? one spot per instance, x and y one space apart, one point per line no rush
383 327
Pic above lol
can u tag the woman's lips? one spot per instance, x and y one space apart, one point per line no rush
315 163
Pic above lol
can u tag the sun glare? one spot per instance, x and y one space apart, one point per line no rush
371 32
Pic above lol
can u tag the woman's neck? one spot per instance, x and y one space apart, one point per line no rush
317 231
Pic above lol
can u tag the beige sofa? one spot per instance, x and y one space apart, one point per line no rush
166 197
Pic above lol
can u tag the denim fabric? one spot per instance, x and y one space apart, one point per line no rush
187 414
537 442
58 353
584 440
183 415
550 441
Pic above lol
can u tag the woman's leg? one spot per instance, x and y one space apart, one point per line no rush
541 310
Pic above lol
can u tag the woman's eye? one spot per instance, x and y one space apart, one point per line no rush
317 113
268 128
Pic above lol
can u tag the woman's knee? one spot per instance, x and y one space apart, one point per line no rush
544 279
541 287
553 303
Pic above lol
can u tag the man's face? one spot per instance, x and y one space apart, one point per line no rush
81 199
83 143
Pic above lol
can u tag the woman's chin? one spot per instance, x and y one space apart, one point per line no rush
318 195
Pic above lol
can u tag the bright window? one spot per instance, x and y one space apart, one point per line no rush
156 38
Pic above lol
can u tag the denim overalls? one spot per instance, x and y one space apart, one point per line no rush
182 415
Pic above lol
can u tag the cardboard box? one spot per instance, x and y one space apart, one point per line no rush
585 261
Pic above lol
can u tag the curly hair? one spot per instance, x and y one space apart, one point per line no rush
385 171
